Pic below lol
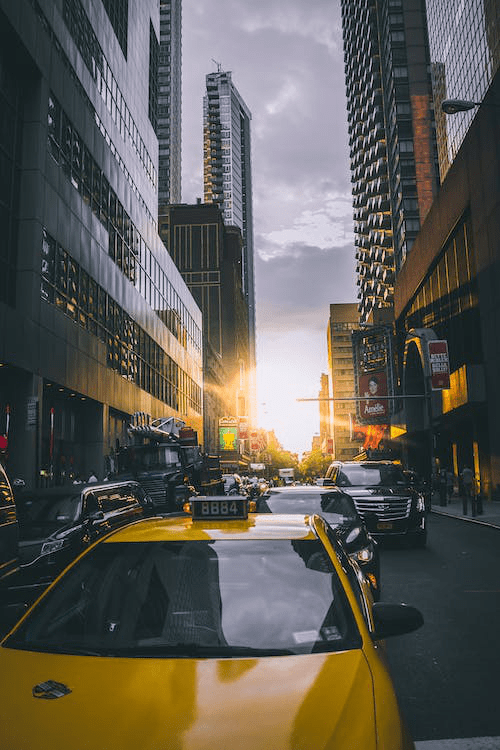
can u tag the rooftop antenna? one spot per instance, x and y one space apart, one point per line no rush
219 65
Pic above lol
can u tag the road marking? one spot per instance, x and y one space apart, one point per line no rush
469 743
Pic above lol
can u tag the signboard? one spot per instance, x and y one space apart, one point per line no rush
439 364
228 438
254 441
372 385
243 428
31 412
374 376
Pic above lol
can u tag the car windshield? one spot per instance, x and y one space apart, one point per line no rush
154 457
337 507
48 510
194 599
364 475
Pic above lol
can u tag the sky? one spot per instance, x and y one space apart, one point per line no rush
287 63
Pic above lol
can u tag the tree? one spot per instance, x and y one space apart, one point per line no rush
314 465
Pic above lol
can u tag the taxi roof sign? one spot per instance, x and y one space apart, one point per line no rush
219 507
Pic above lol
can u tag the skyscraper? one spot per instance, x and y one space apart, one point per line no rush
228 176
464 41
342 321
391 137
96 320
169 102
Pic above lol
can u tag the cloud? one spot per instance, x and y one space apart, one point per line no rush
287 63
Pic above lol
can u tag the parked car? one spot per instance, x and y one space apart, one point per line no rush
338 509
9 532
223 630
389 504
57 523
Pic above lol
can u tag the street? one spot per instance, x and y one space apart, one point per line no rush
446 673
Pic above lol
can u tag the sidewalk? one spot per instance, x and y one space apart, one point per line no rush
489 517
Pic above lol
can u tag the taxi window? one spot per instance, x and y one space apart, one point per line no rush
195 598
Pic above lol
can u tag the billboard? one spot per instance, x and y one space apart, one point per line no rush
439 365
373 386
228 434
374 376
228 438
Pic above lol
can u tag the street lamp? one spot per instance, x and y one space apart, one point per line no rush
452 106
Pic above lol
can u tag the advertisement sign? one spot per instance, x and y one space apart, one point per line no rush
372 385
228 438
243 428
439 365
254 441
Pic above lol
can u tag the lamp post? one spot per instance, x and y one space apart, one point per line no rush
452 106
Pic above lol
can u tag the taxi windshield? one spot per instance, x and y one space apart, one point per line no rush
194 599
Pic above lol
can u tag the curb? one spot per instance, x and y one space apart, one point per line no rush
470 519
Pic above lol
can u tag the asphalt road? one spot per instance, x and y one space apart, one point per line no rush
447 674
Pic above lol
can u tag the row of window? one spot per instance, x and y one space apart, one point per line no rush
88 45
131 352
448 300
126 246
10 156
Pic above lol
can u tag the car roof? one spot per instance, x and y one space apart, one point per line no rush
368 462
184 528
297 489
74 489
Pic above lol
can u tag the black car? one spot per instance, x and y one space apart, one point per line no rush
338 509
9 533
57 523
390 505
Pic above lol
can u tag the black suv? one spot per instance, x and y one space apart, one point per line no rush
57 523
383 496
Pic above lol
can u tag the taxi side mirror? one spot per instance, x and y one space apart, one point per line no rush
394 619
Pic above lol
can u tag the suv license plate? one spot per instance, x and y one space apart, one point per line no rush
384 526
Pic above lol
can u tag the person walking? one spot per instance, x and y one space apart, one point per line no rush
450 484
467 481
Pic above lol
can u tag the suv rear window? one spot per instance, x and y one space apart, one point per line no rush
364 475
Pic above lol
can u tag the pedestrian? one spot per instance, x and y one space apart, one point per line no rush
450 484
467 481
442 487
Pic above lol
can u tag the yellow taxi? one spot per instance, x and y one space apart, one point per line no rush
218 629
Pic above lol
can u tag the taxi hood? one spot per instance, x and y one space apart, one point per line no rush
284 703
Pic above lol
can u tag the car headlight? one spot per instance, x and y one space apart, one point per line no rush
353 534
363 555
420 504
48 547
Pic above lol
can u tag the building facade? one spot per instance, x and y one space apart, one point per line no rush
391 138
344 318
96 320
465 53
169 117
228 179
325 418
208 254
448 290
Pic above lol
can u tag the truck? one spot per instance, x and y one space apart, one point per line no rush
164 456
287 475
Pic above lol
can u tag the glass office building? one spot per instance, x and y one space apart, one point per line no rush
464 41
228 176
96 320
169 102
